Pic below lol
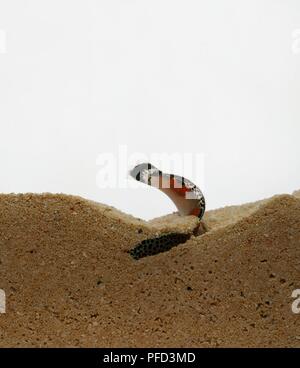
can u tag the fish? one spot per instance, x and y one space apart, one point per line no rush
187 197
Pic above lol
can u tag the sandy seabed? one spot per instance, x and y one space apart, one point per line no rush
69 280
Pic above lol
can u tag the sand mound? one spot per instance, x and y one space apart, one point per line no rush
69 280
297 193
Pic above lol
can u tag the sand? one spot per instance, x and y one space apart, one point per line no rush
69 280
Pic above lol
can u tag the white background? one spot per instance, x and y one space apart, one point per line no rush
218 78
